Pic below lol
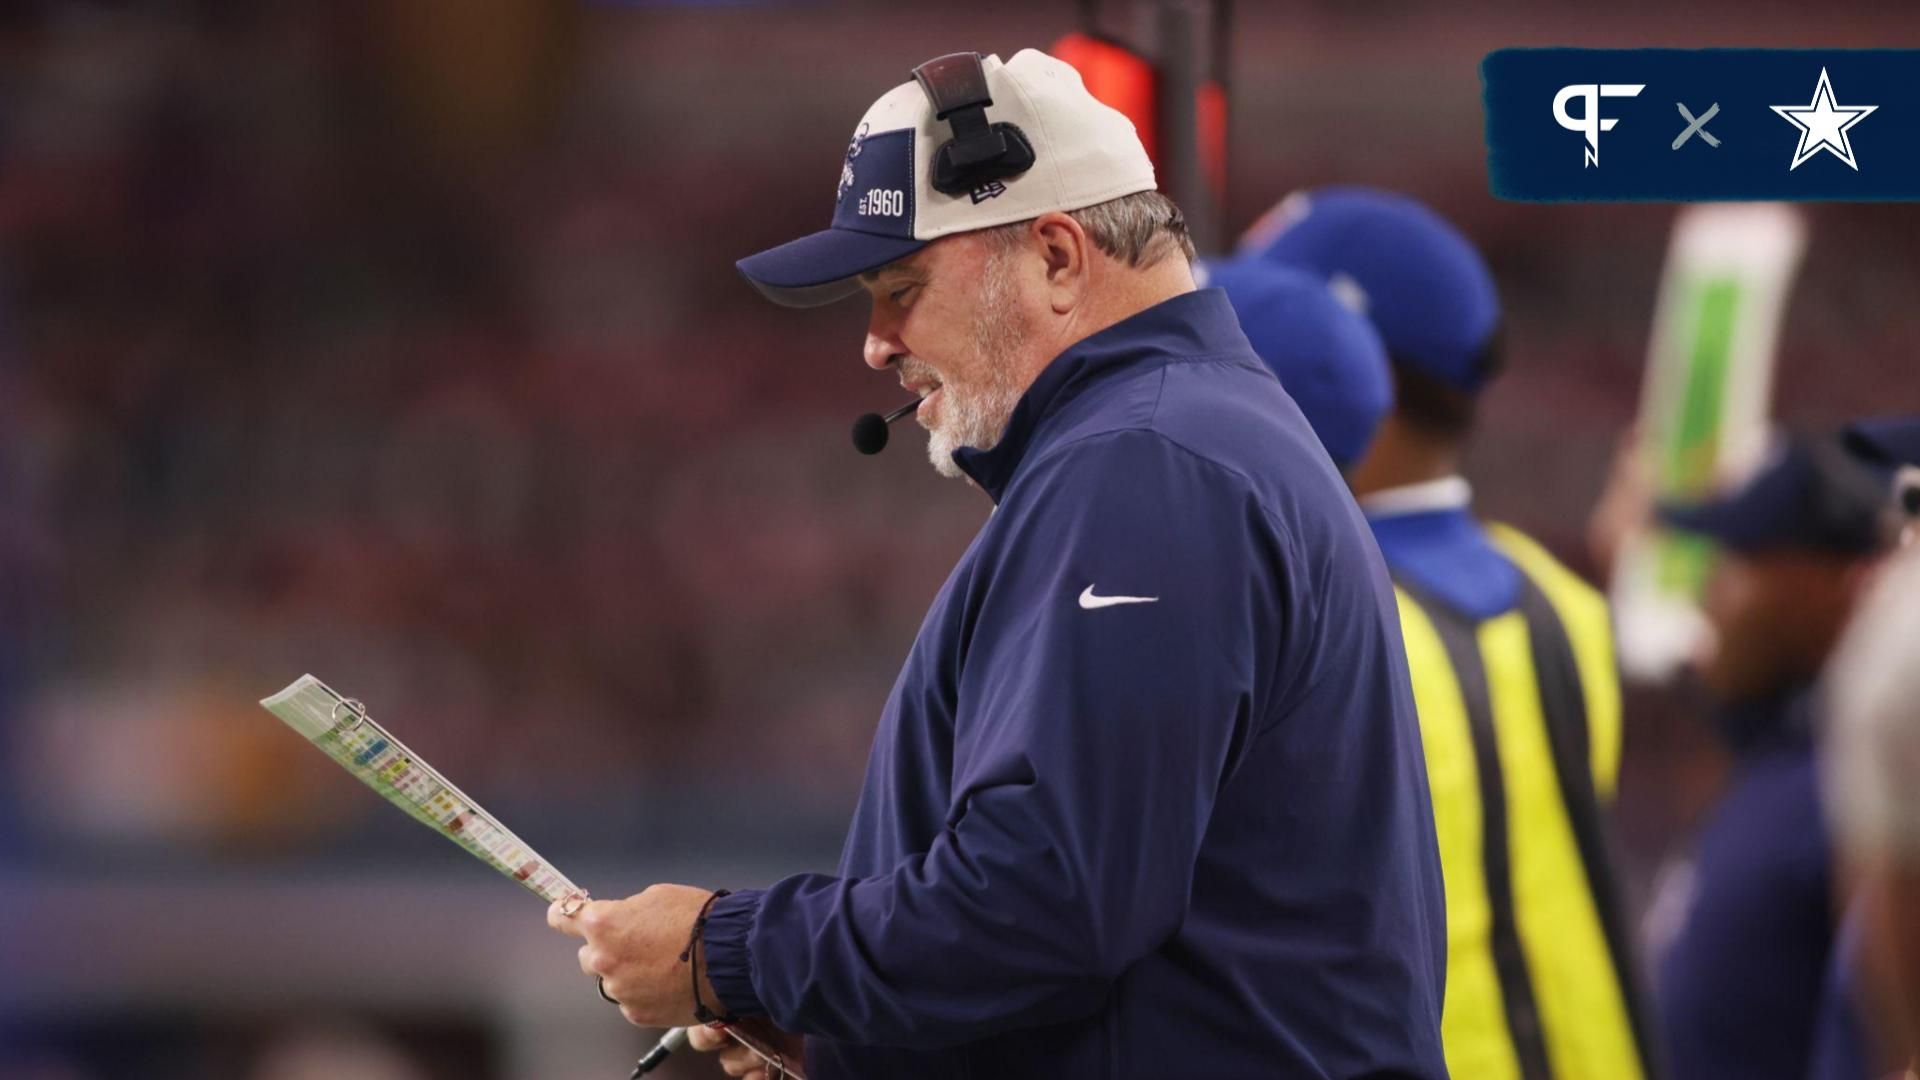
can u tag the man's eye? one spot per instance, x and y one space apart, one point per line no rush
900 294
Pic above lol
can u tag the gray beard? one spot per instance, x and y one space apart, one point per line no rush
977 418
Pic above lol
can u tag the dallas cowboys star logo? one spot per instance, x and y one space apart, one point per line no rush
846 167
1823 125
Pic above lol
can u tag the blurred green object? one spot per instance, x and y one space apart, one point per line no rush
1704 409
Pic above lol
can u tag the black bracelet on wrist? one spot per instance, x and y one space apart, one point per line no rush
691 957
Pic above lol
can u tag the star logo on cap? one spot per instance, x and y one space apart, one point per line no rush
1823 125
846 167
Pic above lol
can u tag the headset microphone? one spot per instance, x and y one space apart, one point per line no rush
870 431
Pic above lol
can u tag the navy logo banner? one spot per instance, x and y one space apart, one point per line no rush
1691 125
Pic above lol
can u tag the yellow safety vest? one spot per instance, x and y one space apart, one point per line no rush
1520 717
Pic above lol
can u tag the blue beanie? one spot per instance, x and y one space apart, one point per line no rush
1421 283
1327 356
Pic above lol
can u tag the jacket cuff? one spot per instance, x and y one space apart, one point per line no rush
729 963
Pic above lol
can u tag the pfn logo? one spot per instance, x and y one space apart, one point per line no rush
1589 123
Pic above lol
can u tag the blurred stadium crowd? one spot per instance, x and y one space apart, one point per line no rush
331 352
401 343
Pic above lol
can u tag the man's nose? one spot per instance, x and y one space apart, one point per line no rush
881 352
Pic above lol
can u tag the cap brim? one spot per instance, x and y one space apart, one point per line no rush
821 268
1889 440
1723 520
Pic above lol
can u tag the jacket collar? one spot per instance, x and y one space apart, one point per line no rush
1445 493
1192 324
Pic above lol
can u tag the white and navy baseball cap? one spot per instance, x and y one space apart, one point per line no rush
900 188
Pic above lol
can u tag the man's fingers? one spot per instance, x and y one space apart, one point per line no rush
569 925
735 1059
740 1061
588 955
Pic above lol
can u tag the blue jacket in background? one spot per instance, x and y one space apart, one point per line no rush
1740 986
1843 1048
1185 834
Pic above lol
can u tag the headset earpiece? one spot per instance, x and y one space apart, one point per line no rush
979 152
1906 491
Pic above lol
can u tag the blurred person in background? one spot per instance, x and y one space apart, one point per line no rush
1890 446
1739 986
1869 1022
1872 750
323 1051
1511 659
1147 799
1328 357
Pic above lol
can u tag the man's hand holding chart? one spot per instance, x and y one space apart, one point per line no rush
633 948
639 949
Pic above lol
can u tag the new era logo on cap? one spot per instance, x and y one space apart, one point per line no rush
885 205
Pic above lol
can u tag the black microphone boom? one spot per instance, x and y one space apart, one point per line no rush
870 431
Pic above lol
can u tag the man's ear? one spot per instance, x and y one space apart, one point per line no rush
1068 254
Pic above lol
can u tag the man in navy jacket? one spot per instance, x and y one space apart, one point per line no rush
1148 798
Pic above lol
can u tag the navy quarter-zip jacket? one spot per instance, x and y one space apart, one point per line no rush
1148 798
